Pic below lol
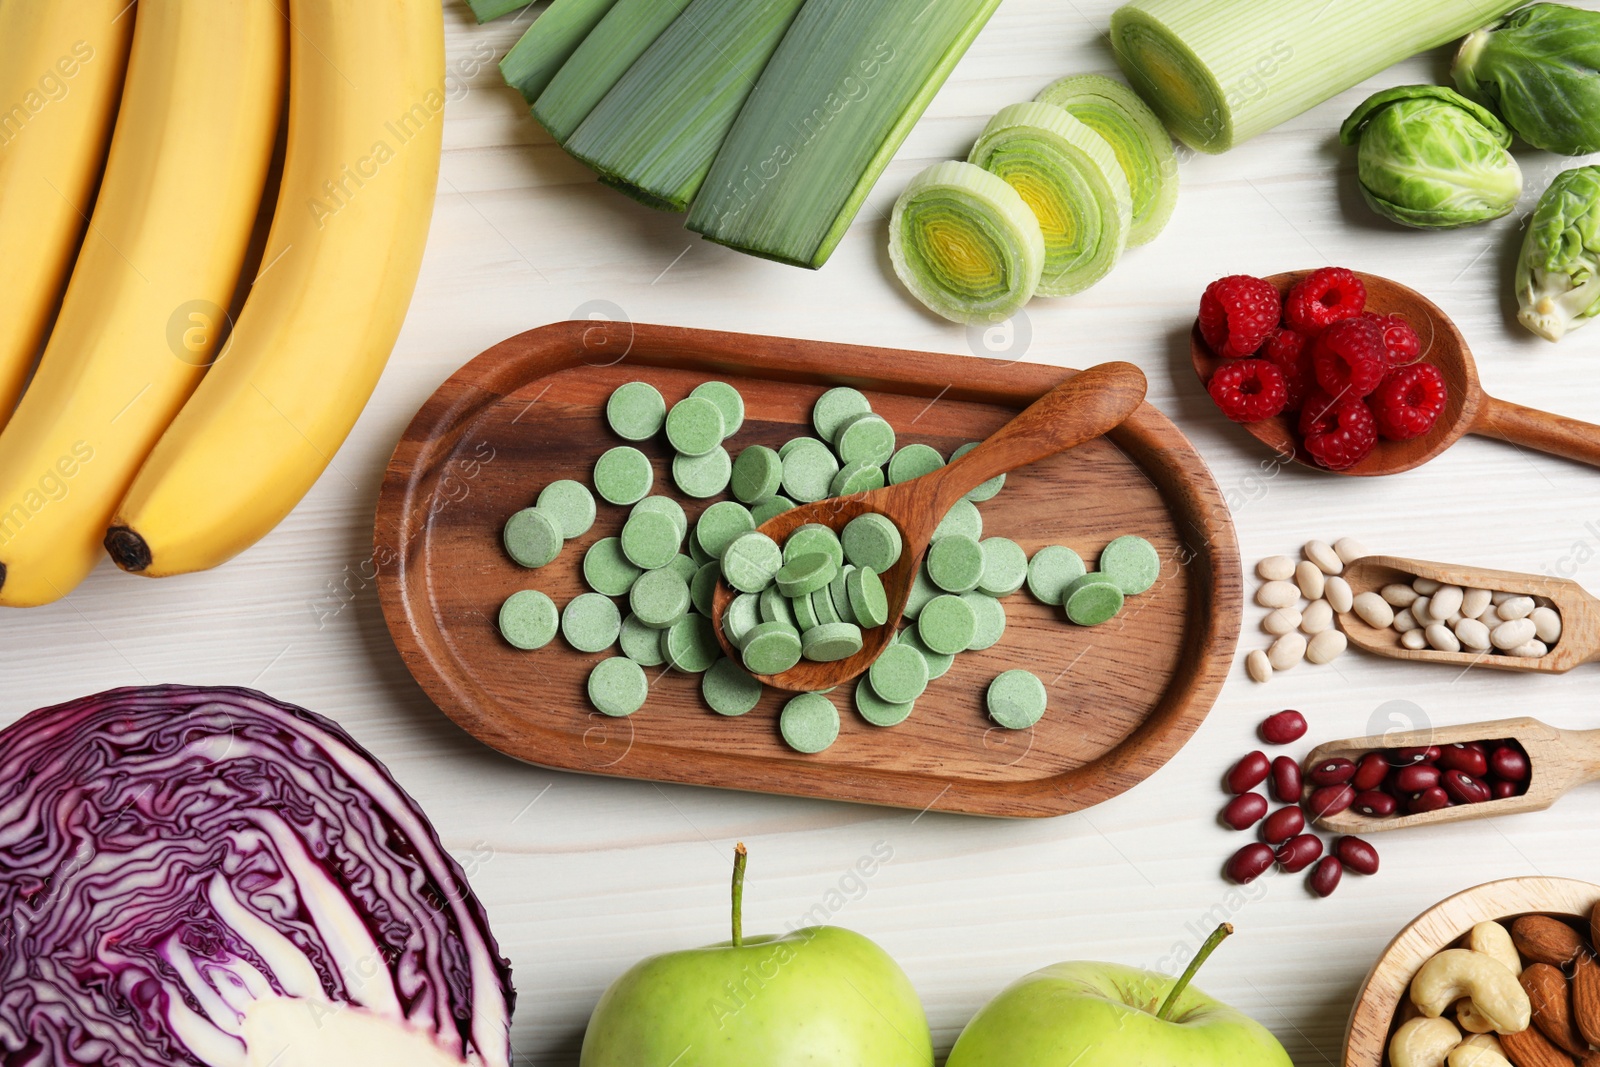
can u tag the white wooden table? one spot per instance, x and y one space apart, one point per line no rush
582 876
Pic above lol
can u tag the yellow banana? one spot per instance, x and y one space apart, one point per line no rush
61 69
164 250
366 110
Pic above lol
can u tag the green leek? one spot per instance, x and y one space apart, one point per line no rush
489 10
1142 144
549 43
1219 72
966 244
1069 177
839 96
659 128
625 33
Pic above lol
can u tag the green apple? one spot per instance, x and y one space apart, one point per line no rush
1107 1015
818 997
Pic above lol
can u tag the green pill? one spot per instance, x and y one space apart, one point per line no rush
666 506
686 567
703 588
750 561
899 674
691 645
963 518
822 606
797 442
703 476
831 642
808 470
623 475
728 689
805 613
922 591
1005 567
649 540
840 595
1092 599
607 570
868 600
695 426
660 598
806 574
770 508
591 622
865 438
771 648
913 461
814 537
872 540
955 563
809 723
1132 563
757 474
528 619
775 607
946 624
720 524
617 686
570 504
862 476
989 621
728 402
878 711
699 555
636 411
1051 570
742 615
938 662
988 489
1016 700
532 538
836 407
641 643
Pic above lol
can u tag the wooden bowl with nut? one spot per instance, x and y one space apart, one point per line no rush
1500 974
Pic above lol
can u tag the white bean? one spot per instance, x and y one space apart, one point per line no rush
1414 640
1517 607
1349 549
1512 633
1425 586
1439 637
1281 621
1278 595
1446 601
1326 647
1399 596
1258 665
1286 651
1322 554
1406 622
1532 650
1374 610
1338 593
1547 624
1472 634
1499 598
1422 610
1491 617
1276 569
1474 601
1317 618
1310 579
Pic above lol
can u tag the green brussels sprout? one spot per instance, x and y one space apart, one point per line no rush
1539 68
1432 159
1558 273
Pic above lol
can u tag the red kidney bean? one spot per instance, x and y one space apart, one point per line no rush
1245 810
1501 789
1249 772
1509 763
1286 780
1375 804
1298 853
1477 746
1431 799
1465 789
1249 863
1325 879
1356 854
1402 757
1286 727
1462 758
1334 771
1330 800
1417 777
1282 825
1370 772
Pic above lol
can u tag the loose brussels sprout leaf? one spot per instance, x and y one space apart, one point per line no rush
1558 273
1432 159
1540 69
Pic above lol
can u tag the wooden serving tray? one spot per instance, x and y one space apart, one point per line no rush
1124 697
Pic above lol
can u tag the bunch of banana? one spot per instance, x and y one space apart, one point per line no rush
158 424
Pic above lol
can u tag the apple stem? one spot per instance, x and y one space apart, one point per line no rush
1194 966
740 857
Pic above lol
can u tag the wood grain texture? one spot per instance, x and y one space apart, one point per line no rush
1124 696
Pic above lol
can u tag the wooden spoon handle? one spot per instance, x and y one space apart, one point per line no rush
1555 434
1083 407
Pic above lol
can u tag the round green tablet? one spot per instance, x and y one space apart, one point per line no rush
822 605
569 503
988 489
695 426
963 518
623 475
806 573
775 607
528 619
862 476
771 648
750 561
899 674
636 411
831 642
872 540
798 442
813 537
922 591
840 595
878 711
607 570
1051 570
770 508
641 643
691 645
865 438
719 524
666 506
617 686
699 555
686 567
1132 563
805 613
955 563
532 537
703 476
808 470
742 615
938 662
809 723
757 474
1092 599
729 689
1016 699
913 461
989 620
1005 567
703 587
946 624
660 597
728 401
591 622
649 540
835 407
867 597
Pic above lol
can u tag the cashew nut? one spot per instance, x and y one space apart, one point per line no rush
1479 1050
1470 1019
1423 1043
1488 1041
1496 994
1493 939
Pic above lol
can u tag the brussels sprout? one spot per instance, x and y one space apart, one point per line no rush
1558 273
1432 159
1540 70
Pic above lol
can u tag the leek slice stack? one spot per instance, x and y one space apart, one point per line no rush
1142 145
621 36
549 43
966 244
1070 178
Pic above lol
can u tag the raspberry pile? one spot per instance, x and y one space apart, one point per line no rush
1349 376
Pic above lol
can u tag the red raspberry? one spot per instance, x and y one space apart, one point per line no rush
1248 390
1350 357
1402 342
1289 352
1323 298
1409 401
1237 313
1339 433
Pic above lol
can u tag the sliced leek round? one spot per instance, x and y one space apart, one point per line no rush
966 244
1071 179
1143 146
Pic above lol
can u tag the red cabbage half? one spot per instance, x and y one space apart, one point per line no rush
207 876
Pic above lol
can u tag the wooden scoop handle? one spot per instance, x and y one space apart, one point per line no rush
1555 434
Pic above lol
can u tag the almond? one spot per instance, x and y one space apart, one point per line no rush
1594 924
1530 1048
1586 998
1546 940
1551 998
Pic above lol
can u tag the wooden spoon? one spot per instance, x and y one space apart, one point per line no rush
1580 613
1469 409
1083 407
1560 759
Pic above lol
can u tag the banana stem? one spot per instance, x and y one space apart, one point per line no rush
1194 966
740 858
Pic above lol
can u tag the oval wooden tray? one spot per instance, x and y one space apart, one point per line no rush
1123 697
